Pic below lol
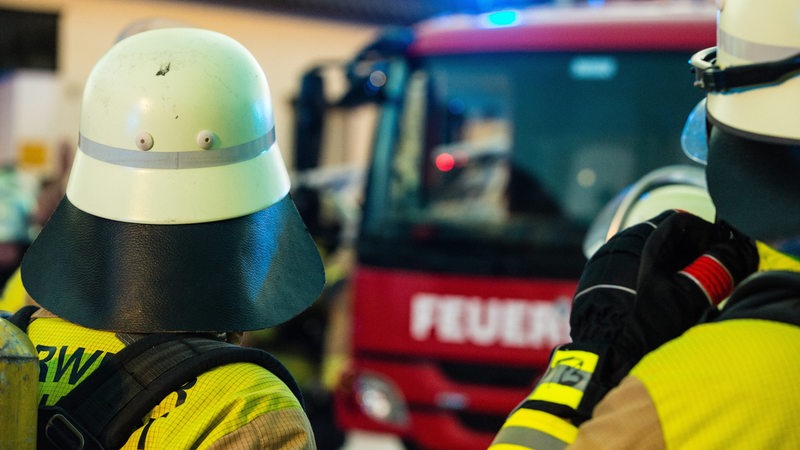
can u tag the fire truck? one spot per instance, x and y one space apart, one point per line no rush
499 138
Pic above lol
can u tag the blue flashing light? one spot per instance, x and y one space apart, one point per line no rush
504 18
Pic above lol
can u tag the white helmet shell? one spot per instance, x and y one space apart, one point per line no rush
177 216
681 187
757 32
178 133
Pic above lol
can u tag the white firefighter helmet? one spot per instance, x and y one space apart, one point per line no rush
680 187
761 39
177 215
752 79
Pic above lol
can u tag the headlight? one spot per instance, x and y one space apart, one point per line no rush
380 400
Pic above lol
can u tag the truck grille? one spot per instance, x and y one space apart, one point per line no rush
481 374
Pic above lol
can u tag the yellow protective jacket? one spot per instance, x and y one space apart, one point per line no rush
240 405
724 384
13 295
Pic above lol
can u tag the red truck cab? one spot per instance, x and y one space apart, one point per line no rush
500 137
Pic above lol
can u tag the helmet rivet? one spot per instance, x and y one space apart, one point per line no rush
144 141
205 139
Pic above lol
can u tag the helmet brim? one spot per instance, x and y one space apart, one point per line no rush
245 273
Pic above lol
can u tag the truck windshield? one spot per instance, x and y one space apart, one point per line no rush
506 158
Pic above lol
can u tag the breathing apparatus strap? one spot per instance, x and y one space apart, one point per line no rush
108 406
22 317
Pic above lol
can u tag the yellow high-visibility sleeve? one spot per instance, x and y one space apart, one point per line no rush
727 385
13 296
531 429
240 405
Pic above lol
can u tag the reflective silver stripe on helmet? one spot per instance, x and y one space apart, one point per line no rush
176 160
752 51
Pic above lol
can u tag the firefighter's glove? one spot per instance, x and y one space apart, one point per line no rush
644 287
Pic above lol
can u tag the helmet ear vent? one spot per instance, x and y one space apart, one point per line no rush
144 141
205 139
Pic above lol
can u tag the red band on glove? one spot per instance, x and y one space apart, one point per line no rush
711 276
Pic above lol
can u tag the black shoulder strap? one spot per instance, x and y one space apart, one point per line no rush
104 409
22 317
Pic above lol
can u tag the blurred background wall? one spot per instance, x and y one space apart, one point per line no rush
284 43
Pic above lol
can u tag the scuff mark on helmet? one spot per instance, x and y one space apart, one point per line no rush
163 70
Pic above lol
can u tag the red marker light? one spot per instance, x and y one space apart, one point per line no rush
445 162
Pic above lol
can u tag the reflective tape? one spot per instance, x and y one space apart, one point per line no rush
605 286
567 378
527 429
176 160
752 51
